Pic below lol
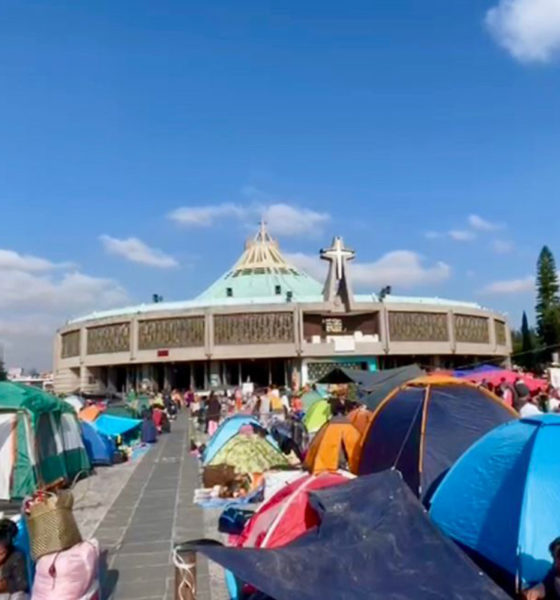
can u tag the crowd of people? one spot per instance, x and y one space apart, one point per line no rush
525 401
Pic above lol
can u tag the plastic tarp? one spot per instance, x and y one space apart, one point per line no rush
227 429
480 370
501 498
382 383
114 426
374 542
100 448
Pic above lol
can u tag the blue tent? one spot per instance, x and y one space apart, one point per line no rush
502 498
228 429
113 426
374 542
100 447
424 427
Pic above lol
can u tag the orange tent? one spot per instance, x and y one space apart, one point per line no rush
90 413
334 445
360 417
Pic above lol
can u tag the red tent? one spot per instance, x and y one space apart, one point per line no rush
287 515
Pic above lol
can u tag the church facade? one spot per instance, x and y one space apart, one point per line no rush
267 322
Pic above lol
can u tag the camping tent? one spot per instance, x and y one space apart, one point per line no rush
309 398
100 447
373 386
90 413
40 441
116 426
75 402
227 429
287 514
333 447
501 497
317 416
121 409
423 427
249 454
374 542
360 418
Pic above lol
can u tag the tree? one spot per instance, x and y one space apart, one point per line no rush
548 302
527 346
3 374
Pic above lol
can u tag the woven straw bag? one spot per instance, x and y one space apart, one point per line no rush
51 525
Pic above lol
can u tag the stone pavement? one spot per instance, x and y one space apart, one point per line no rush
153 511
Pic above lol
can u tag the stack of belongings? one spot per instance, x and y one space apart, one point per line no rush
235 459
67 568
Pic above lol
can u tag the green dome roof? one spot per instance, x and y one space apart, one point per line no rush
262 272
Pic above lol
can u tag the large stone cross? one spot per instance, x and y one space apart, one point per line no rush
338 255
338 288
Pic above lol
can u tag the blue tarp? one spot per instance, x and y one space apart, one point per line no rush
502 498
375 542
424 440
228 429
476 371
100 447
113 426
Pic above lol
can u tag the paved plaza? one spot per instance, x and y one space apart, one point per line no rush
152 512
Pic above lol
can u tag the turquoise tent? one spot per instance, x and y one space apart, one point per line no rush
115 426
227 429
501 499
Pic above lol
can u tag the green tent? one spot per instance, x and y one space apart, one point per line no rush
309 398
317 416
249 454
40 441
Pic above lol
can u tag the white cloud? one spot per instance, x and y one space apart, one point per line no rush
400 268
502 246
289 220
205 216
137 251
37 296
13 260
511 286
462 235
282 218
528 29
310 263
477 222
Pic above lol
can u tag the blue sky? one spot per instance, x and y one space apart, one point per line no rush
424 133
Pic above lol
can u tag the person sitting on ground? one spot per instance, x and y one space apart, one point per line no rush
549 588
530 407
13 571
